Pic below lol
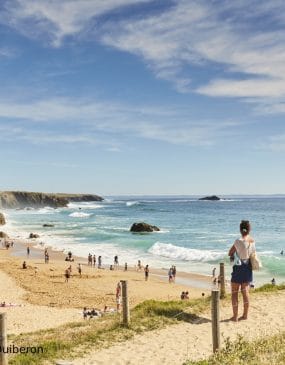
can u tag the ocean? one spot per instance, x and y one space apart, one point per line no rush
195 235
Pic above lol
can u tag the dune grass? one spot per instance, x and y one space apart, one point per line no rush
74 339
269 350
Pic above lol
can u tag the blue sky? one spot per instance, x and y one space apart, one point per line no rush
142 97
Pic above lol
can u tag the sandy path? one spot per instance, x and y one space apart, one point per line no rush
175 344
28 317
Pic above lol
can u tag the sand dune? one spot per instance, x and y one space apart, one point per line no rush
177 343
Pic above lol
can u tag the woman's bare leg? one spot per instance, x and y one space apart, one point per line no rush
245 296
235 289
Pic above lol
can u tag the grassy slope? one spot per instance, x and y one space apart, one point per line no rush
76 338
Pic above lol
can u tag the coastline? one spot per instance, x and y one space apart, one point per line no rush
96 287
39 298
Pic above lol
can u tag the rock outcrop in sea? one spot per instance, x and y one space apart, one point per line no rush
2 219
23 199
212 197
4 235
34 235
143 227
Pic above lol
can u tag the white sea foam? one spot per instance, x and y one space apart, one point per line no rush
85 205
131 203
185 254
80 215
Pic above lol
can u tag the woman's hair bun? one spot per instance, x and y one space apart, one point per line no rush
244 226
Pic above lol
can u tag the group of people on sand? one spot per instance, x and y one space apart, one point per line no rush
91 261
6 243
69 257
184 295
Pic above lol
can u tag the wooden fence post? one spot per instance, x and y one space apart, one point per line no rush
216 319
223 280
3 339
125 300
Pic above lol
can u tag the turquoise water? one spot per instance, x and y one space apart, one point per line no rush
195 235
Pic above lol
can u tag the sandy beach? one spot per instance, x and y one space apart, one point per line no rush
41 299
175 344
44 300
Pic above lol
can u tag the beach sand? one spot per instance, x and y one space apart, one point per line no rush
47 300
44 300
177 343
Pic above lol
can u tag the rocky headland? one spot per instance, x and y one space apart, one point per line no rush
23 199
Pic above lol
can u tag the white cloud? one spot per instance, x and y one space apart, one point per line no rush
276 143
223 34
240 44
58 18
106 124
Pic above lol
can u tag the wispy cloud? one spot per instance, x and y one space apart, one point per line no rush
207 34
106 124
240 44
57 19
275 143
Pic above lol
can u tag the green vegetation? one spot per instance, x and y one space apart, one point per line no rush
270 350
75 338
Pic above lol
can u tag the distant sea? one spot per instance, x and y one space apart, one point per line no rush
195 235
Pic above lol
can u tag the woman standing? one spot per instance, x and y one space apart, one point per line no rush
240 252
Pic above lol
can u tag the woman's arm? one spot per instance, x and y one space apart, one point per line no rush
232 250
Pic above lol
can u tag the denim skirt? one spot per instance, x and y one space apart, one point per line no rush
242 273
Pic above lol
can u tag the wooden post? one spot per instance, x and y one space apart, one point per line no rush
223 281
3 339
125 300
216 319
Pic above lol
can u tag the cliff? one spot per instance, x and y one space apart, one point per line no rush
22 199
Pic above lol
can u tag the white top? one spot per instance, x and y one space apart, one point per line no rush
244 248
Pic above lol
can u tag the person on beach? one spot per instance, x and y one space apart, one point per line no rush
28 251
24 266
240 253
146 272
170 277
214 273
89 259
99 262
79 269
116 261
67 274
273 281
173 273
47 258
139 267
94 260
126 266
85 313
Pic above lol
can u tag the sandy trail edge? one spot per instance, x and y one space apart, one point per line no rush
175 344
27 317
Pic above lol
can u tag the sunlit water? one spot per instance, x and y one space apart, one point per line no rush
195 235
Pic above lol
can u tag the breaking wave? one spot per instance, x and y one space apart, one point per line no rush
185 254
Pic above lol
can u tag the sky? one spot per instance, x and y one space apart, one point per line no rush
142 96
